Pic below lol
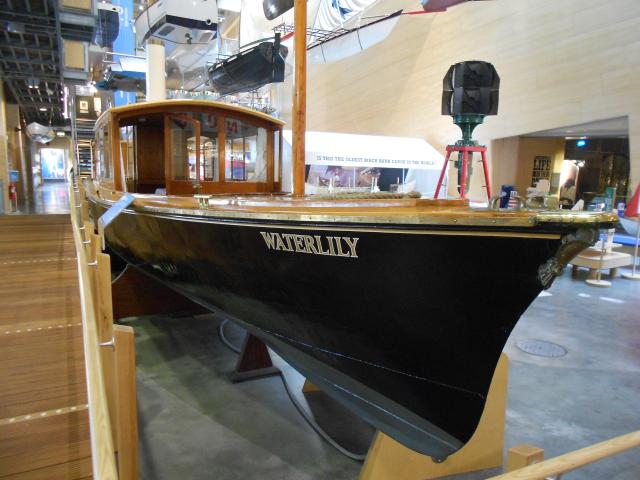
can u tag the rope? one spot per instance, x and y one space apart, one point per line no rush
367 195
301 410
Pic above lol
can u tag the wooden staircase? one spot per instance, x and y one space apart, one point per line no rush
44 426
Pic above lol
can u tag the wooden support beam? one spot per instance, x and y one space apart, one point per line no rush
254 361
88 230
127 413
84 209
522 456
309 387
105 301
101 285
388 459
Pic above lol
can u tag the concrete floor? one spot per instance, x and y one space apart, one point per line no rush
195 424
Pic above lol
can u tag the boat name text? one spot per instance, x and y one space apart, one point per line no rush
313 244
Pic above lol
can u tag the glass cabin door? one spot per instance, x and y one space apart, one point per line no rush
183 172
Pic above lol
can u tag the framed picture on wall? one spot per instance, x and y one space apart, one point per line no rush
541 169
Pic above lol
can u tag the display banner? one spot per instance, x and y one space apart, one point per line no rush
349 150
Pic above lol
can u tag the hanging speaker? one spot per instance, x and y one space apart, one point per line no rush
470 88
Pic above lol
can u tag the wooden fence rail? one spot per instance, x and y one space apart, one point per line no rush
102 450
574 460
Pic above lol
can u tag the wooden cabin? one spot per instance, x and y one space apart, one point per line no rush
185 147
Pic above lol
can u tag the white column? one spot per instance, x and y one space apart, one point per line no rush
156 82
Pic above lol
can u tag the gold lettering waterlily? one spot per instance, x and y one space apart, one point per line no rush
313 244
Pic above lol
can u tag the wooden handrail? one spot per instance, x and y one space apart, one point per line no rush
102 451
573 460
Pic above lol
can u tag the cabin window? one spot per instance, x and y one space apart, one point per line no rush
184 155
128 153
245 152
194 140
208 146
276 156
104 153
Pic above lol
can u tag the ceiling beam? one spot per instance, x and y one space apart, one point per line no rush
21 16
29 61
23 75
41 105
25 46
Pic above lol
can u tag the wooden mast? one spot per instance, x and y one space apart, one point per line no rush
299 110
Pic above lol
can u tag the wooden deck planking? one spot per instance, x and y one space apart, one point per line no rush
44 428
42 443
73 470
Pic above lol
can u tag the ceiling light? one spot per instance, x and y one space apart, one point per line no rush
43 109
60 133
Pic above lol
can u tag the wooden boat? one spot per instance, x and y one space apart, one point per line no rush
398 306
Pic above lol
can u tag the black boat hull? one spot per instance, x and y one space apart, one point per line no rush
405 324
250 70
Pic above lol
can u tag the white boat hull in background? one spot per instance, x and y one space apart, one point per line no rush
630 226
352 43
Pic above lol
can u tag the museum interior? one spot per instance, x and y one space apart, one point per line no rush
201 201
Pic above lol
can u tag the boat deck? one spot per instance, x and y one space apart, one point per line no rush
371 209
44 427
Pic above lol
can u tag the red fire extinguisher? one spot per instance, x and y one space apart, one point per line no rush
13 197
13 193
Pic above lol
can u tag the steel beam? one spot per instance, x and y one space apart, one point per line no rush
25 46
29 61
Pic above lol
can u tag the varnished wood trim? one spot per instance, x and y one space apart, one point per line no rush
270 143
355 228
134 109
299 110
279 159
167 154
116 157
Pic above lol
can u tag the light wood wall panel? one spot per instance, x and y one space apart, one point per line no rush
562 62
4 154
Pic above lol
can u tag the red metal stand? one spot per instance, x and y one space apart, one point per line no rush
465 156
254 361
